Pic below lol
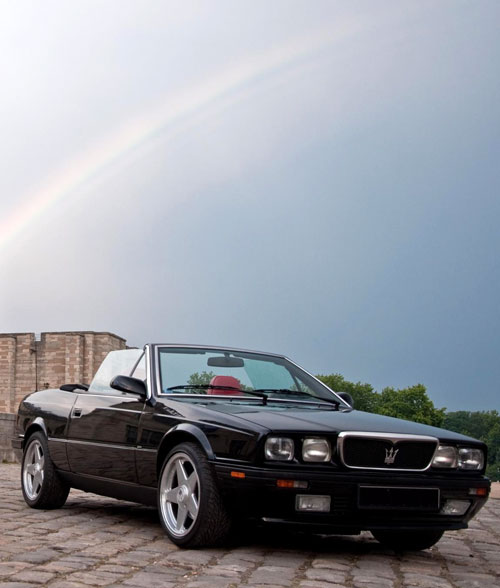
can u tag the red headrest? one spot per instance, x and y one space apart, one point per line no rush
225 381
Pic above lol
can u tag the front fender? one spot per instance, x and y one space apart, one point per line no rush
186 429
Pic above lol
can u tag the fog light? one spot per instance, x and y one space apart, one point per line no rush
312 503
455 507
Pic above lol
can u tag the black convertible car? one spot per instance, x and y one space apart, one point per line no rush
214 435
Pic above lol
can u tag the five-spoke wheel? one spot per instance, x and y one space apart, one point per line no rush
33 469
190 507
42 487
180 494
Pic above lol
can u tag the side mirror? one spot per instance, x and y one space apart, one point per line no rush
346 397
130 385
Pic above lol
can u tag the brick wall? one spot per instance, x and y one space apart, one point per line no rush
7 421
28 364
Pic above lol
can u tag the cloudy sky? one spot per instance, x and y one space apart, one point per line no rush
319 179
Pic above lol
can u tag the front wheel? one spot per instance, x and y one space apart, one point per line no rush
189 503
42 487
408 540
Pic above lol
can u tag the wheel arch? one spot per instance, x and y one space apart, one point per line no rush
179 434
38 424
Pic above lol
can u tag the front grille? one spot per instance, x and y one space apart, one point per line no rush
386 451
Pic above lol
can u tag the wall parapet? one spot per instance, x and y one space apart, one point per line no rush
30 362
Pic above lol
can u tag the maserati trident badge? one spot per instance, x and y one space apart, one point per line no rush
390 455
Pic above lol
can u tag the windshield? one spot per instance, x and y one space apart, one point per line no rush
218 372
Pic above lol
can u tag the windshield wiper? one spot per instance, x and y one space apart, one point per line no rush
314 399
257 393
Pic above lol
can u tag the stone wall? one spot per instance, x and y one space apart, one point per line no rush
29 363
7 421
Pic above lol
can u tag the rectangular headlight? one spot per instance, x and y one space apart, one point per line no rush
316 449
279 448
470 458
446 456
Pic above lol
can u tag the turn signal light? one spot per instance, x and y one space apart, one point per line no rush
237 474
291 484
478 491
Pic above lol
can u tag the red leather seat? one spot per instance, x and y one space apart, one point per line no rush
225 381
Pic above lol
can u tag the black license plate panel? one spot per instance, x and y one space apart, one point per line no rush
398 498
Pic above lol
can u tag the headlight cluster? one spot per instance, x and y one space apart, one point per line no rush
314 449
463 458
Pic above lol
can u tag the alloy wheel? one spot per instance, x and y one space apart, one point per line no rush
180 494
33 471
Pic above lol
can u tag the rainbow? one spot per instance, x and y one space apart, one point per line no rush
175 113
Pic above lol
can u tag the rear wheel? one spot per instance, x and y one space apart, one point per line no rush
189 503
408 540
42 487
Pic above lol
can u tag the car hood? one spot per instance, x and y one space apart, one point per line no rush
329 421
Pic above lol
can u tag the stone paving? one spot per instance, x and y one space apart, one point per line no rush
95 541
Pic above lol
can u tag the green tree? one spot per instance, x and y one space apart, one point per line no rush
411 404
364 396
200 379
476 424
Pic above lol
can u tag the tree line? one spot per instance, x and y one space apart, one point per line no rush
413 404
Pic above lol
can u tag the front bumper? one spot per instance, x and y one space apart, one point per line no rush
255 494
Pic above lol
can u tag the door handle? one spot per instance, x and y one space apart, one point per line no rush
77 413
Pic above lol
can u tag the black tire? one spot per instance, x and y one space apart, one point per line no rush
408 540
42 487
189 503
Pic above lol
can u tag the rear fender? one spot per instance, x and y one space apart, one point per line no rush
37 424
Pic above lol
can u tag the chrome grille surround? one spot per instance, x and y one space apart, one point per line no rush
394 439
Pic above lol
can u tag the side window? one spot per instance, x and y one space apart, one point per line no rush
115 363
140 369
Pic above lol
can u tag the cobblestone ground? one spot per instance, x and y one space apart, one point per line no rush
95 541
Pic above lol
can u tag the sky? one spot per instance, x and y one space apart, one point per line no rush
317 179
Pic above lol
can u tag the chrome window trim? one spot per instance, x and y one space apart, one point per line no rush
343 402
149 380
393 438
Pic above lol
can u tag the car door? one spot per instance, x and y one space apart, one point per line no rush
102 435
103 426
